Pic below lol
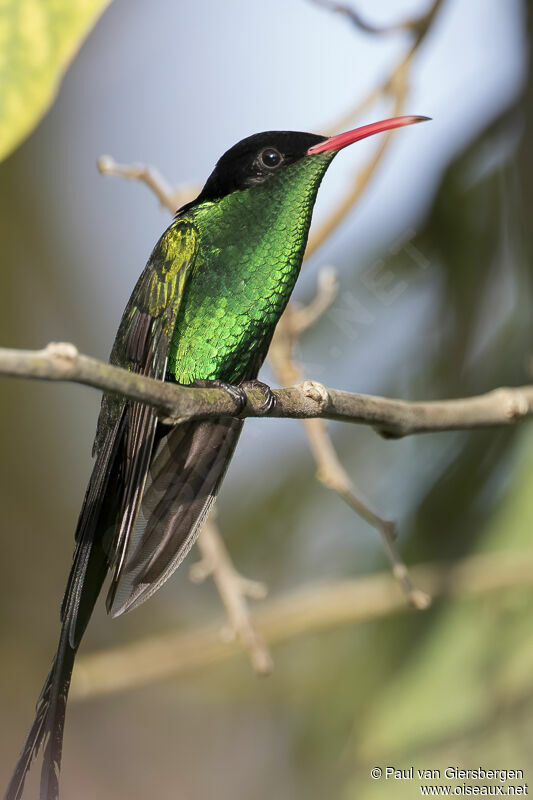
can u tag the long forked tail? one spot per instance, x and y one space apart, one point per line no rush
47 729
85 581
187 467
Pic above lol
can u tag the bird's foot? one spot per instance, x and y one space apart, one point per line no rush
270 398
237 393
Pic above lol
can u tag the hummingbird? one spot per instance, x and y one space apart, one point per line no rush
202 313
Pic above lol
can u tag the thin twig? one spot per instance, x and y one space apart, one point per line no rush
362 177
396 86
330 471
329 468
233 589
386 87
169 197
304 317
410 25
310 609
310 400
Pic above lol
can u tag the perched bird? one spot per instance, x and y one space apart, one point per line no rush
203 312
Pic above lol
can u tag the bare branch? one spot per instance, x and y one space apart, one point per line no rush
304 317
176 403
330 471
332 474
170 198
233 589
362 178
386 87
310 609
354 17
396 85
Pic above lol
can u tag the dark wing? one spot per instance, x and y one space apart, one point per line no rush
186 470
142 346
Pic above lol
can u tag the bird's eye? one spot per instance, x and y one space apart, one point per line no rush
270 157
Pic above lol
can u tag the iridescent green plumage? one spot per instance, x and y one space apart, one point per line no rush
154 304
250 249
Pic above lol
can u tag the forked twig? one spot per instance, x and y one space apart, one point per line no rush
170 198
233 589
411 25
309 609
330 471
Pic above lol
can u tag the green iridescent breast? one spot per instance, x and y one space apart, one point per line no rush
250 249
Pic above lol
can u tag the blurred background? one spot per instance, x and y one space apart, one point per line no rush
435 301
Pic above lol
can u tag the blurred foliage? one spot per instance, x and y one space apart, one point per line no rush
482 328
463 695
38 39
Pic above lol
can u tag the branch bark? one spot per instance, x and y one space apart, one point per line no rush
396 85
391 418
412 25
306 610
170 198
329 469
234 589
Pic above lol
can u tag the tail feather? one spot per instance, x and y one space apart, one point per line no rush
47 729
37 736
85 581
188 465
54 704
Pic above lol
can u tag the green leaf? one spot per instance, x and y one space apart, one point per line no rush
38 39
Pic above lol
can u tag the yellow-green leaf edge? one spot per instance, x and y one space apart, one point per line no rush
38 39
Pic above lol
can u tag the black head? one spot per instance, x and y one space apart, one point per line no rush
257 158
253 160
